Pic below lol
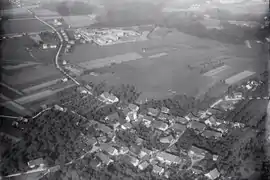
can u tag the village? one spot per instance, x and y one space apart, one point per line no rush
109 146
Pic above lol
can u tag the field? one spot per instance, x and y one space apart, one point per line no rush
164 66
22 68
23 26
79 21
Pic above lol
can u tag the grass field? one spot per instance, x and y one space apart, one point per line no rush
22 26
157 76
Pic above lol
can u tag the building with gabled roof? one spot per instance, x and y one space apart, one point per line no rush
181 120
165 110
213 174
133 107
94 163
102 139
160 125
104 158
197 152
167 140
191 117
143 165
158 170
130 159
36 163
144 152
109 149
131 116
125 111
105 129
123 150
153 112
147 120
134 149
211 134
112 117
197 126
223 128
126 126
212 121
168 158
179 128
163 116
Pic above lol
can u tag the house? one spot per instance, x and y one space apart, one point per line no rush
215 157
109 149
212 121
197 126
211 134
213 174
125 111
223 128
139 141
160 125
165 110
147 120
112 117
197 152
135 150
114 124
95 163
104 158
91 141
167 174
133 107
126 126
143 165
102 139
153 112
167 140
123 150
191 117
163 116
212 111
130 159
105 129
158 170
145 152
181 120
168 158
179 128
109 97
36 163
131 116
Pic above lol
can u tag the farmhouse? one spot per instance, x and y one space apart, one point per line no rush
213 174
143 165
167 139
181 120
163 116
104 158
158 170
153 112
197 152
197 126
168 158
211 134
160 125
165 110
179 128
109 149
112 117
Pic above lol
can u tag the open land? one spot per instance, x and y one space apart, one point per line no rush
157 75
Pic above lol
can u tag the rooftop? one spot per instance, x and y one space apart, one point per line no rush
165 110
163 116
181 120
168 157
104 158
198 150
179 128
209 134
113 116
213 174
153 111
197 126
159 125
